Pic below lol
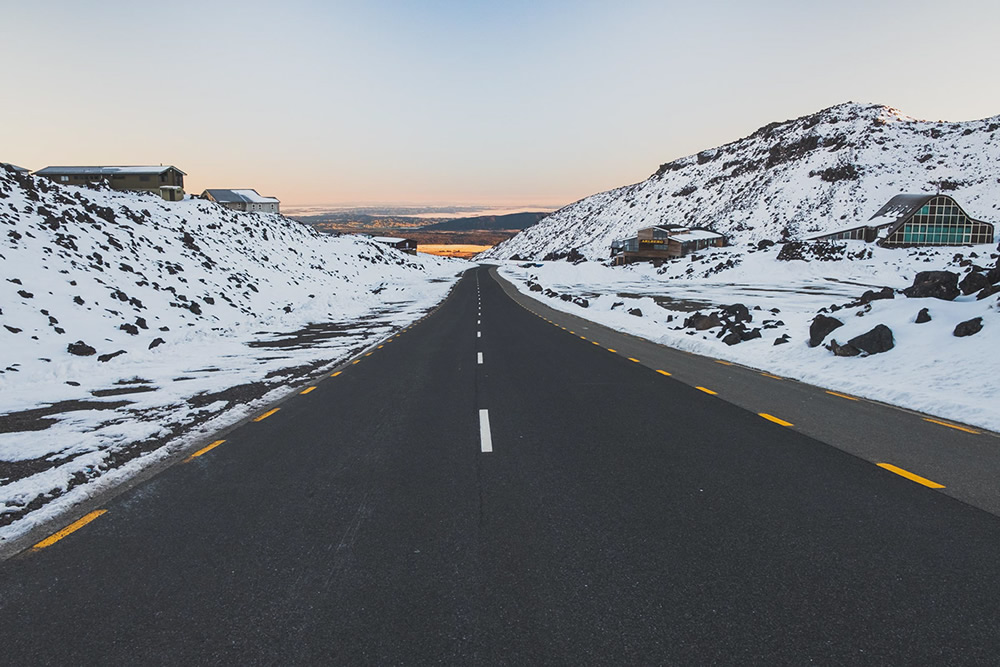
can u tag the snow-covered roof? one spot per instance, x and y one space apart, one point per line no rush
694 235
106 171
901 206
245 195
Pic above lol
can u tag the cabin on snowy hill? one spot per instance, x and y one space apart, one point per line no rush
408 246
917 220
165 180
14 167
656 244
247 200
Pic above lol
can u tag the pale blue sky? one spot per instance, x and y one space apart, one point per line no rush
461 102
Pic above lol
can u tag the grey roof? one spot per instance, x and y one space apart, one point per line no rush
14 167
900 207
244 195
106 171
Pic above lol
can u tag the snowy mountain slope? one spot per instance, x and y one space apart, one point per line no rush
185 313
830 170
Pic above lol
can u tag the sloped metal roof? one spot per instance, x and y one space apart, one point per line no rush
242 196
901 206
106 171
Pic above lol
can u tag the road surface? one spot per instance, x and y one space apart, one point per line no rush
488 488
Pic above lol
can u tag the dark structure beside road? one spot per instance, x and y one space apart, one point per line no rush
656 244
408 246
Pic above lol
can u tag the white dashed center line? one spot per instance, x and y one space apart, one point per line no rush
486 439
480 357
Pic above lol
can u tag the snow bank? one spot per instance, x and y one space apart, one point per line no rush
195 314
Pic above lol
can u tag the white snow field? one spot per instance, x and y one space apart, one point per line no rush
193 316
929 369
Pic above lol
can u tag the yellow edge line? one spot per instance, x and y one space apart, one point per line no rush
662 372
204 450
910 476
954 426
306 391
595 342
776 420
71 528
633 359
266 415
333 375
724 363
356 361
835 393
610 350
774 377
707 391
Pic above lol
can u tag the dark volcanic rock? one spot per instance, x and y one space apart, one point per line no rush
969 327
875 341
738 312
989 290
821 327
732 338
635 311
781 340
130 328
703 322
938 284
80 349
156 343
843 350
110 356
923 316
973 283
872 295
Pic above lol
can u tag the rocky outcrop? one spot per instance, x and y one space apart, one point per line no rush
973 282
923 316
875 341
968 327
821 327
937 284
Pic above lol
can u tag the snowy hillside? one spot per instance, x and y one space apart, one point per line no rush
127 321
822 172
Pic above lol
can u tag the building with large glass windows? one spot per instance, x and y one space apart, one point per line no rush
918 220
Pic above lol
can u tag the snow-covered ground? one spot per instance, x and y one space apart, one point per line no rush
929 369
193 316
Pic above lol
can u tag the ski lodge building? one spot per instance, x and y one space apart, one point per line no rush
656 244
917 220
409 246
246 200
165 180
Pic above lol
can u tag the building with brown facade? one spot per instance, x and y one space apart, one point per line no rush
657 244
165 180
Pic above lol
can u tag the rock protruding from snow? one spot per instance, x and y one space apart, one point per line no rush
969 327
937 284
923 316
821 327
875 341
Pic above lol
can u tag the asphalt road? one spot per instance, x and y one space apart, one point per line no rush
598 512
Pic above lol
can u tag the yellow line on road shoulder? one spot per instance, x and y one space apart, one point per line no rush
611 350
838 394
71 528
773 377
776 420
707 391
306 391
634 359
204 450
333 375
724 363
662 372
265 415
356 361
595 342
954 426
910 476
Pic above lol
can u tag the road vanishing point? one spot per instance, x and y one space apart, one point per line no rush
505 484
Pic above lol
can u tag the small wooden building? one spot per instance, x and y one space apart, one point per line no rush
246 199
165 180
408 246
918 220
656 244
